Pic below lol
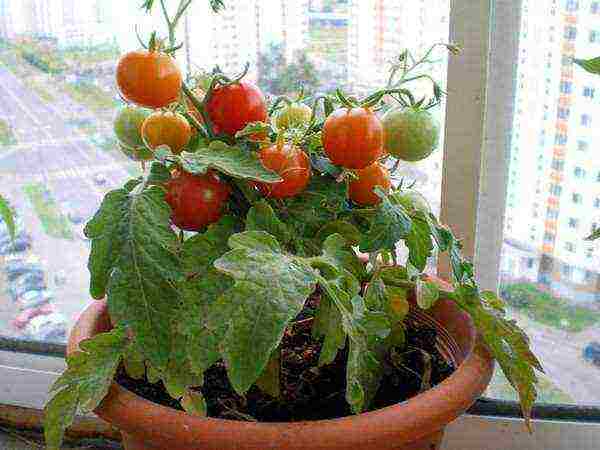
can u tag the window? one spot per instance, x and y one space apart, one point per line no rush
595 8
597 203
586 120
588 92
598 177
594 36
572 5
582 146
577 198
570 33
579 172
566 87
573 223
556 190
548 237
552 214
563 113
558 164
567 271
561 139
570 247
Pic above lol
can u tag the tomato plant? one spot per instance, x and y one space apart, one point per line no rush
411 134
411 200
361 189
196 200
294 115
353 137
233 106
166 128
292 165
149 78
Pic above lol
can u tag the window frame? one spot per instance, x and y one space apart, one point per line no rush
475 180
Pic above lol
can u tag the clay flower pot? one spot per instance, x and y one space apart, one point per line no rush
417 424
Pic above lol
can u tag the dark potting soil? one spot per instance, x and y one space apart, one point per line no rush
307 391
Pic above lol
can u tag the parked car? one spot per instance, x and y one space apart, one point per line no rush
18 291
20 267
34 298
26 315
591 353
100 179
52 328
17 246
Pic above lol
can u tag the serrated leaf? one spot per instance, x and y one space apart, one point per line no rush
270 290
159 174
427 293
348 231
7 215
590 65
509 345
328 325
233 161
134 364
200 318
394 276
255 131
492 300
419 242
134 260
261 217
193 403
339 256
85 382
391 224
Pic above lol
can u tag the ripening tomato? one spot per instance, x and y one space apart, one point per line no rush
362 188
232 107
353 137
196 200
149 78
295 115
166 128
128 125
411 134
292 165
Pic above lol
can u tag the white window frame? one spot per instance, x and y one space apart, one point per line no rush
475 176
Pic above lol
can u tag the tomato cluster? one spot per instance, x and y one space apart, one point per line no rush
353 137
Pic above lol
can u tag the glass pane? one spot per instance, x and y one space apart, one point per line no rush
58 156
549 273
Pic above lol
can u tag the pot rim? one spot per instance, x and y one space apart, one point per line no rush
408 421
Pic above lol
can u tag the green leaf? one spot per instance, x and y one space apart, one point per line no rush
232 161
200 317
134 259
508 344
84 384
193 402
350 233
255 128
328 324
261 217
7 215
339 256
159 174
427 293
270 290
394 276
390 225
133 362
594 236
419 243
269 380
492 300
591 65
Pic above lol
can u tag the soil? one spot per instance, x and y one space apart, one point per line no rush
307 391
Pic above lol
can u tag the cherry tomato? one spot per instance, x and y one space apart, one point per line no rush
149 78
232 107
362 188
196 200
410 135
128 130
166 128
292 164
296 115
353 138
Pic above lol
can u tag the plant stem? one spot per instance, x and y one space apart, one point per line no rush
201 106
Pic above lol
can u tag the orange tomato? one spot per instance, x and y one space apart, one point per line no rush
362 188
166 128
292 165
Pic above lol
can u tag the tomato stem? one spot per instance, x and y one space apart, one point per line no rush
201 106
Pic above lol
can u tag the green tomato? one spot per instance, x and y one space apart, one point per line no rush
411 199
410 134
296 115
128 126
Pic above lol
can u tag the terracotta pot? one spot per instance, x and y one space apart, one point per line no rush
417 424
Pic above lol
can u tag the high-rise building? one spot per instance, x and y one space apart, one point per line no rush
554 182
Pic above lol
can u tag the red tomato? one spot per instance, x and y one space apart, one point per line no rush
353 138
166 128
196 200
361 189
150 79
292 164
232 107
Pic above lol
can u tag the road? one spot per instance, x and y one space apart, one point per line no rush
51 152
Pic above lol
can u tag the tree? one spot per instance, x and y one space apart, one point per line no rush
277 77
